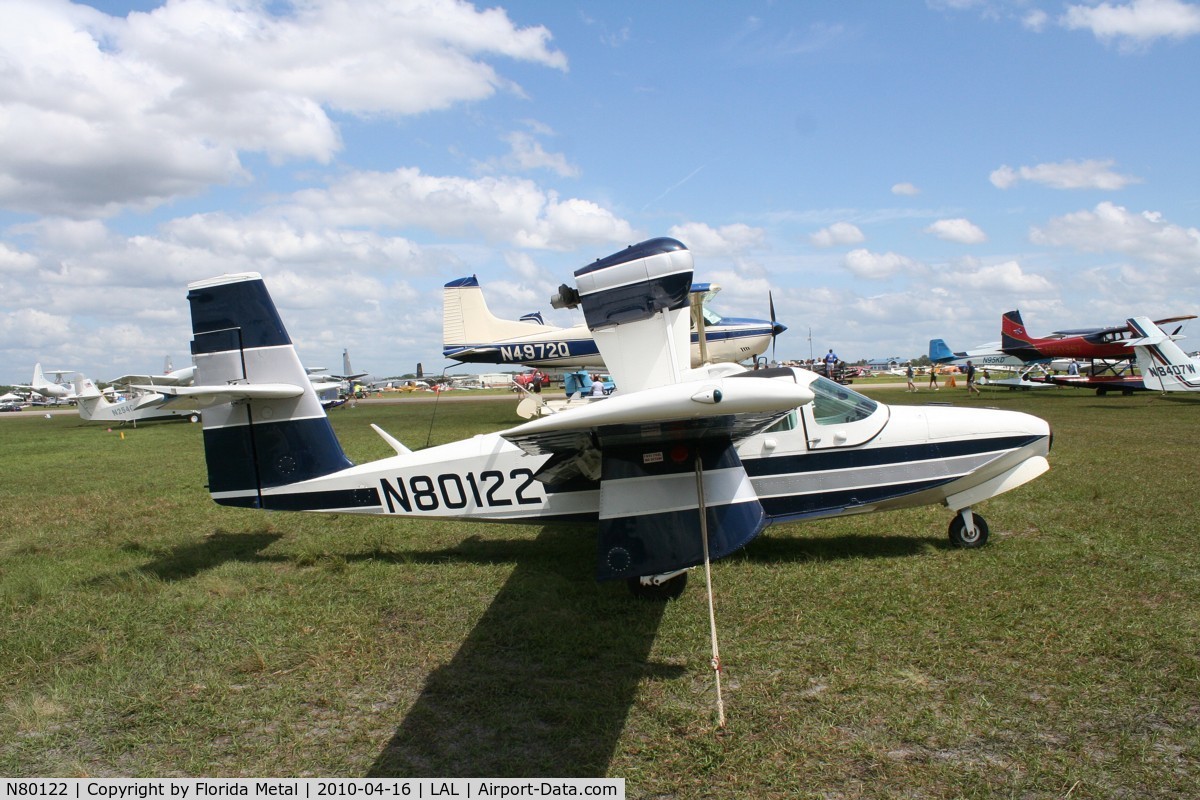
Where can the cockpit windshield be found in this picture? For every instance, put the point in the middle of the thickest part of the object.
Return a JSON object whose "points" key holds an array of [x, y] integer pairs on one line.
{"points": [[835, 404]]}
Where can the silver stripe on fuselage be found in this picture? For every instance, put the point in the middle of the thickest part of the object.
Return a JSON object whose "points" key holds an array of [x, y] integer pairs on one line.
{"points": [[804, 483], [663, 494]]}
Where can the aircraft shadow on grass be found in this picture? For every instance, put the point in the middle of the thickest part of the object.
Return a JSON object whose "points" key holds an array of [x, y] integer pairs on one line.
{"points": [[785, 549], [544, 682], [219, 547]]}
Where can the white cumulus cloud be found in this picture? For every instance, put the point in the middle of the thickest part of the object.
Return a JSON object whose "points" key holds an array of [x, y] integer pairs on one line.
{"points": [[958, 230], [703, 239], [100, 113], [1091, 174], [877, 266], [1007, 277], [1112, 228], [838, 233], [906, 189], [503, 209], [1137, 24]]}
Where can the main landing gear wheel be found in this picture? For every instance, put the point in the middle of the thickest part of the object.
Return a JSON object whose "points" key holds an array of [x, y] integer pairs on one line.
{"points": [[670, 589], [968, 537]]}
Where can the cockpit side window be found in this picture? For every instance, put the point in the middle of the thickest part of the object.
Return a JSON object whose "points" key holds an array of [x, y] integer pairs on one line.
{"points": [[835, 404], [786, 424]]}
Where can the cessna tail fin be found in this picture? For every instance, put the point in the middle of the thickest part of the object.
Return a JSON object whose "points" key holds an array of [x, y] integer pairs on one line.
{"points": [[1163, 364], [467, 322], [274, 432], [1014, 339]]}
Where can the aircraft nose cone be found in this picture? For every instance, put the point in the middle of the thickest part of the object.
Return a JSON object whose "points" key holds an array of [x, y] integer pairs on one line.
{"points": [[777, 328]]}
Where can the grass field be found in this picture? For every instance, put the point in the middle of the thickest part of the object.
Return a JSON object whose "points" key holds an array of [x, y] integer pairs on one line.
{"points": [[145, 631]]}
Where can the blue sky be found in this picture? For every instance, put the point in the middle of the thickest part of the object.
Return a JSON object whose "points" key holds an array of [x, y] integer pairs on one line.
{"points": [[891, 172]]}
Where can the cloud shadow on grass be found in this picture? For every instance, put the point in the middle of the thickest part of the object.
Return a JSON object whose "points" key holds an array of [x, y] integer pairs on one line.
{"points": [[543, 684]]}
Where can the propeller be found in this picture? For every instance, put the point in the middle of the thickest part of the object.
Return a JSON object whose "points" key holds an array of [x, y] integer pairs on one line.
{"points": [[776, 327]]}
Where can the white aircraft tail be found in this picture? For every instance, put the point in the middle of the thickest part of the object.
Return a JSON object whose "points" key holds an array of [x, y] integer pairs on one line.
{"points": [[466, 320], [88, 398], [263, 424], [1163, 364]]}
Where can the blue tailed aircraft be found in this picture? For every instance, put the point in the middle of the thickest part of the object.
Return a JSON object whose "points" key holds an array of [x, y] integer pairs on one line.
{"points": [[678, 466], [472, 333]]}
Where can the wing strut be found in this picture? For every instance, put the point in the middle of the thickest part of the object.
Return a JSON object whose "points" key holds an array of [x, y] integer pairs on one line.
{"points": [[712, 614]]}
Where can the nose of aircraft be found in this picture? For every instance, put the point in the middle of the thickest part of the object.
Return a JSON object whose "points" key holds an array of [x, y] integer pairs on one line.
{"points": [[956, 422], [777, 328]]}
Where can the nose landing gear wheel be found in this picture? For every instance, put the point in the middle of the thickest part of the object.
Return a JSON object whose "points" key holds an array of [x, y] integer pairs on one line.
{"points": [[963, 536]]}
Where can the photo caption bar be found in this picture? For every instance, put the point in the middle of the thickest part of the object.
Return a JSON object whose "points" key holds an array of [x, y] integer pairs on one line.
{"points": [[309, 788]]}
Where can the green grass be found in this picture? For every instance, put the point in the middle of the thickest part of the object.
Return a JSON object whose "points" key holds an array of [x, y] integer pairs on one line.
{"points": [[146, 631]]}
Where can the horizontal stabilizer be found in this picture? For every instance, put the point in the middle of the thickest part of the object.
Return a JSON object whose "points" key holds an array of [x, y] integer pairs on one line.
{"points": [[206, 396], [1147, 332]]}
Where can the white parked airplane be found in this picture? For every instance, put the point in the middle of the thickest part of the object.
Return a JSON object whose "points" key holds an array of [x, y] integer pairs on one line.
{"points": [[991, 357], [674, 452], [1163, 364], [472, 333], [143, 405], [53, 391]]}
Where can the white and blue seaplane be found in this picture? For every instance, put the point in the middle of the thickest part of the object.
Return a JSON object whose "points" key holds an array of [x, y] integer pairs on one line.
{"points": [[677, 467]]}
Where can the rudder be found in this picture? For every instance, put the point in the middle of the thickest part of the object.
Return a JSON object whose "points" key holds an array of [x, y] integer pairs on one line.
{"points": [[467, 322], [250, 445]]}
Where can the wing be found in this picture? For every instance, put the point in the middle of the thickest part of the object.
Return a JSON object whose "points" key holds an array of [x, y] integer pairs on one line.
{"points": [[635, 303], [651, 452]]}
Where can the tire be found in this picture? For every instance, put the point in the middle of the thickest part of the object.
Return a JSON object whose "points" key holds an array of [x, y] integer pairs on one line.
{"points": [[960, 537], [668, 590]]}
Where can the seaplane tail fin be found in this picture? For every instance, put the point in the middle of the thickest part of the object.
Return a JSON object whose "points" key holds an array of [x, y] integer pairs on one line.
{"points": [[88, 398], [1163, 364], [635, 303], [270, 429], [466, 320], [1014, 339], [939, 351], [1012, 330]]}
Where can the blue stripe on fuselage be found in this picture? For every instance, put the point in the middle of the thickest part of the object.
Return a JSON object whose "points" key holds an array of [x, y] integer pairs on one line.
{"points": [[826, 460], [576, 349]]}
